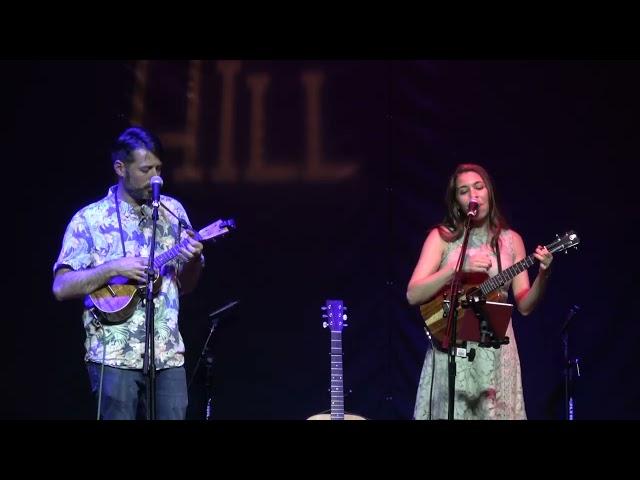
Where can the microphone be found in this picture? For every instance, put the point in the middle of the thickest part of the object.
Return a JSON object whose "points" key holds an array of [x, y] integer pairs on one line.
{"points": [[472, 211], [156, 184]]}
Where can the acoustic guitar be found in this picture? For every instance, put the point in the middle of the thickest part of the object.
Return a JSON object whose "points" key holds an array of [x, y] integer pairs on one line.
{"points": [[334, 313]]}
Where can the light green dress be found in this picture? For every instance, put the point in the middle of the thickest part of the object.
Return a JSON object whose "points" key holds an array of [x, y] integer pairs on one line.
{"points": [[490, 386]]}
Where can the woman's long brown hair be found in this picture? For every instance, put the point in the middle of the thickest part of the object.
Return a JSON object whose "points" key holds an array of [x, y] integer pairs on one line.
{"points": [[452, 226]]}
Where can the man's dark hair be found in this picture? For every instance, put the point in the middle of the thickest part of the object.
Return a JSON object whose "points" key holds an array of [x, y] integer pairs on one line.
{"points": [[135, 138]]}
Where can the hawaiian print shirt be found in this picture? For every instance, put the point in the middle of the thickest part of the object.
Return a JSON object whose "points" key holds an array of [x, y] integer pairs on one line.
{"points": [[93, 238]]}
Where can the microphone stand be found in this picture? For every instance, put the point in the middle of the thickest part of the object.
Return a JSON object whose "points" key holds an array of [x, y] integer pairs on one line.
{"points": [[568, 364], [449, 340], [208, 357], [149, 363]]}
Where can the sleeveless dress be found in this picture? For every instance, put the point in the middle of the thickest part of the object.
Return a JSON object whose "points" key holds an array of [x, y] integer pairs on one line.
{"points": [[490, 386]]}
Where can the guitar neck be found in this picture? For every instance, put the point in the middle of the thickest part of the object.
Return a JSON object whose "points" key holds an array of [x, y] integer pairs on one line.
{"points": [[337, 391], [503, 277], [169, 255]]}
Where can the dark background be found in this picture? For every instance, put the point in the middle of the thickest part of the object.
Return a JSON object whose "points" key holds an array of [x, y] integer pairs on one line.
{"points": [[559, 138]]}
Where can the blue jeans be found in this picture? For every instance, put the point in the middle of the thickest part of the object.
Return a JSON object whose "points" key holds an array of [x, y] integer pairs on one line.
{"points": [[124, 393]]}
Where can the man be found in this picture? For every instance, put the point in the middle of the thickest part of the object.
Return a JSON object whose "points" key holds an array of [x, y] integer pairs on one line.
{"points": [[110, 239]]}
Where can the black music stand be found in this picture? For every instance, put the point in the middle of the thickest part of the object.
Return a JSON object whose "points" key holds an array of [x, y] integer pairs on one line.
{"points": [[207, 356], [569, 365], [485, 323]]}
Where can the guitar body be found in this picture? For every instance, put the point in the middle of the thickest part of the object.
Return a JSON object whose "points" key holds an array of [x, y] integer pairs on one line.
{"points": [[117, 301], [476, 284], [327, 416], [434, 314]]}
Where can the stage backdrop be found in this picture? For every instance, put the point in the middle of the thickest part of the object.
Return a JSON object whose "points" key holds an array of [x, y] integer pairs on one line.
{"points": [[334, 171]]}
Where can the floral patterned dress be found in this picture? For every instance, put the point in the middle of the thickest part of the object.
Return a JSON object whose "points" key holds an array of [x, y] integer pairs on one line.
{"points": [[490, 386]]}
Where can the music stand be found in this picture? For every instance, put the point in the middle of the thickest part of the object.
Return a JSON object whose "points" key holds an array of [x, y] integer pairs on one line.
{"points": [[497, 316], [207, 356]]}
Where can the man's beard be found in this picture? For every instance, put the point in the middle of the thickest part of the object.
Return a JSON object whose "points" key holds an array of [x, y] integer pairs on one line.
{"points": [[140, 195]]}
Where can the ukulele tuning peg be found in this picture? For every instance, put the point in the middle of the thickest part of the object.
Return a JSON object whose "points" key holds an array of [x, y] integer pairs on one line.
{"points": [[325, 324], [325, 316], [323, 308]]}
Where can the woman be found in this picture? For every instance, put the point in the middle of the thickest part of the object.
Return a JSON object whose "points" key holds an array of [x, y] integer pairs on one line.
{"points": [[490, 386]]}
